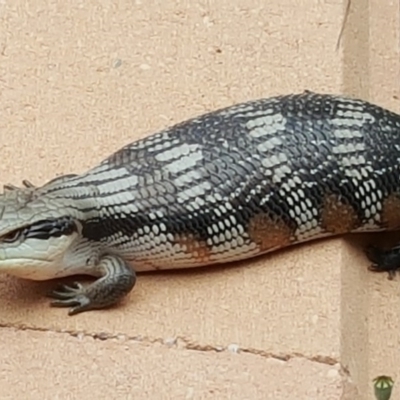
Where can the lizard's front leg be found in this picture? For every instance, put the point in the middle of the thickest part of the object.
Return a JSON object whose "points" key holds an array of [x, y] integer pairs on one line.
{"points": [[117, 280]]}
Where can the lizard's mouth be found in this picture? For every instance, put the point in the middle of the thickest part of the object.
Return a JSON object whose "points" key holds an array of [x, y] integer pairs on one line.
{"points": [[33, 258], [28, 268], [23, 260]]}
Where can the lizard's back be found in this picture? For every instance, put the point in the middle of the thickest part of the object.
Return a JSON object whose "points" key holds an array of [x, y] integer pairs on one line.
{"points": [[248, 179]]}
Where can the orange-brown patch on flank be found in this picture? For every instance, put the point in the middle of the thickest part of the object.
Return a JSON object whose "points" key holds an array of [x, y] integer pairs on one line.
{"points": [[196, 249], [269, 232], [338, 217], [391, 212]]}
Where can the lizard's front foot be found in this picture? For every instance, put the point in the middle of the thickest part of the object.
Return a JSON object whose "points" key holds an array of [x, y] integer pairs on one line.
{"points": [[117, 281], [384, 260]]}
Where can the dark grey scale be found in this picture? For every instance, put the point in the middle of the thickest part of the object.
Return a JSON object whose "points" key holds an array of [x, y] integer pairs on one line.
{"points": [[101, 229], [276, 207], [132, 155], [93, 229], [384, 157], [63, 178], [195, 226], [205, 130], [336, 184], [97, 229], [388, 183], [224, 172], [322, 107]]}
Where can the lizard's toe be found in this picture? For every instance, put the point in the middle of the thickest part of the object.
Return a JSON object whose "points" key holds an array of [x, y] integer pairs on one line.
{"points": [[67, 291], [71, 296], [78, 304]]}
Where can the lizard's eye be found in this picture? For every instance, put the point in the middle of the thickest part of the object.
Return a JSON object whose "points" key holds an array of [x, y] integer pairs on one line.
{"points": [[11, 236]]}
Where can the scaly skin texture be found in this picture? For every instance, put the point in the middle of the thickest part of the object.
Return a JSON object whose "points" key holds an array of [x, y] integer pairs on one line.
{"points": [[225, 186]]}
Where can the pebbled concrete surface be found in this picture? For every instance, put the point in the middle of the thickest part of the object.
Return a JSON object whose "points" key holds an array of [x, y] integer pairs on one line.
{"points": [[79, 81]]}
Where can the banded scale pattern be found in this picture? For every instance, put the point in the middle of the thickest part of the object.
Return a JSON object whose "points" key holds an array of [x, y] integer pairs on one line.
{"points": [[241, 181]]}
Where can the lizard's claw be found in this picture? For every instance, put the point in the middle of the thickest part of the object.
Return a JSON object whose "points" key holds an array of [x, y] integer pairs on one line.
{"points": [[66, 291]]}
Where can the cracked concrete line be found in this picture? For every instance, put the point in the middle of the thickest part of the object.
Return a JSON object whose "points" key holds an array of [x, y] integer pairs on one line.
{"points": [[178, 342]]}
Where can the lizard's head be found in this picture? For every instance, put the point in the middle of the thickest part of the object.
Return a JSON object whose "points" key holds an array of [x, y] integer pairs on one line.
{"points": [[34, 234]]}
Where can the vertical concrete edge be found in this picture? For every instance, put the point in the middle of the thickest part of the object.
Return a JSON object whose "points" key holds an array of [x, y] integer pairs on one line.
{"points": [[370, 318]]}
